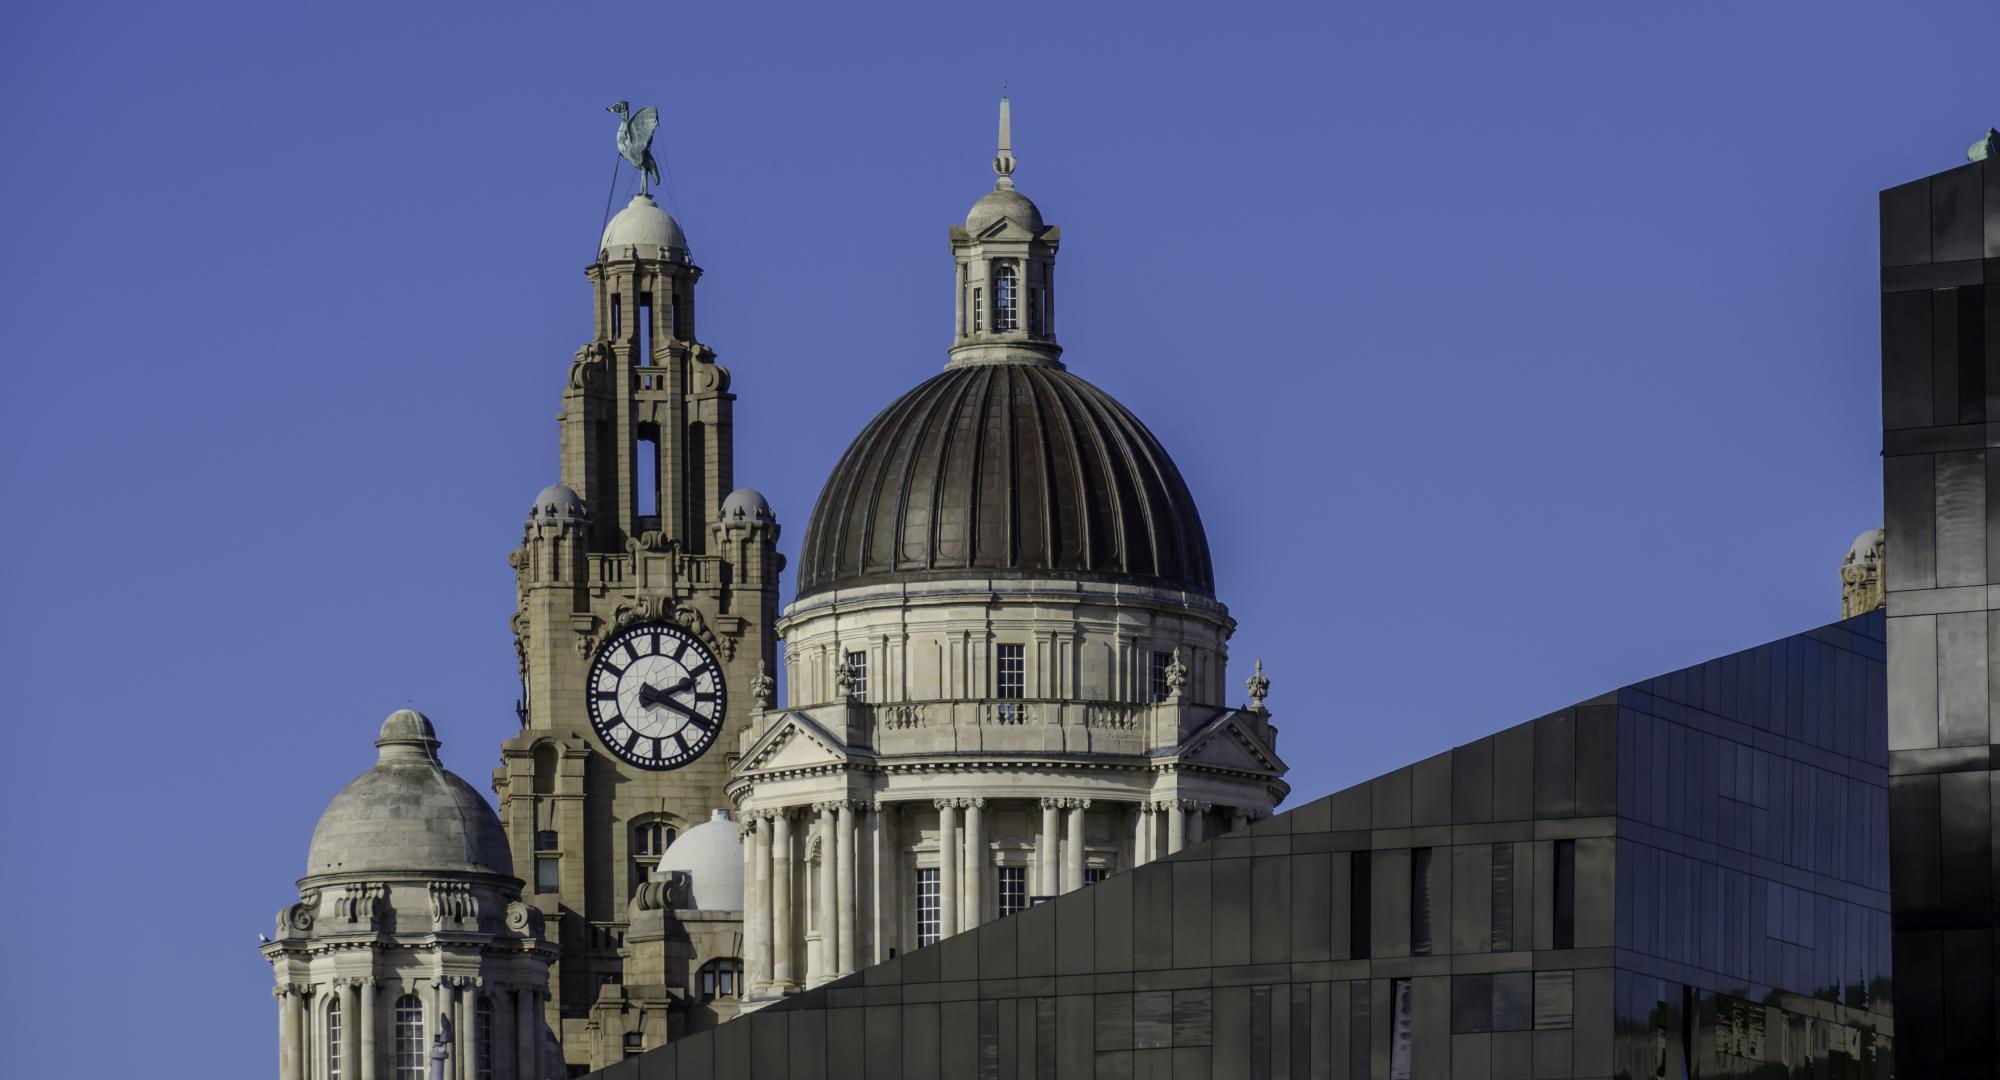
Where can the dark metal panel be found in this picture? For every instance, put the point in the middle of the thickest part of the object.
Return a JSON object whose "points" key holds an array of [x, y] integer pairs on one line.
{"points": [[1270, 896], [920, 1042], [1555, 765], [1390, 797], [1552, 1055], [1906, 360], [1153, 915], [1596, 892], [1430, 790], [1230, 1017], [1965, 849], [1191, 929], [1113, 900], [846, 1044], [1113, 1021], [959, 1043], [1471, 898], [1472, 782], [1514, 773], [807, 1035], [958, 958], [1909, 501], [1916, 864], [999, 945], [1913, 678], [883, 1038], [1389, 871], [1075, 1038], [1958, 214], [1311, 907], [1036, 928], [770, 1042], [1962, 649], [1076, 939], [1597, 761], [1592, 992], [1906, 224], [1229, 912]]}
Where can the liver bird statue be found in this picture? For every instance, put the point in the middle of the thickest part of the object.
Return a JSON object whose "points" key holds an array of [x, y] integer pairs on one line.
{"points": [[635, 141]]}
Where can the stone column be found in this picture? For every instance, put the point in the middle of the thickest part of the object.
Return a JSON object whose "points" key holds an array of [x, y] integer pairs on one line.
{"points": [[1176, 825], [291, 1048], [371, 1008], [757, 904], [1073, 848], [976, 862], [877, 950], [436, 1016], [947, 867], [844, 872], [829, 932], [349, 993], [781, 902], [1140, 812], [528, 1038], [461, 1028], [1046, 883]]}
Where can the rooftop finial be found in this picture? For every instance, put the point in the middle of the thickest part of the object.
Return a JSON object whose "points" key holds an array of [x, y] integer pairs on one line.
{"points": [[1003, 162]]}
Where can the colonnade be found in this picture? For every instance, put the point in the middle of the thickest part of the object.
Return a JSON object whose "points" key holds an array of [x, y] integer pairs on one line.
{"points": [[862, 847], [367, 1042]]}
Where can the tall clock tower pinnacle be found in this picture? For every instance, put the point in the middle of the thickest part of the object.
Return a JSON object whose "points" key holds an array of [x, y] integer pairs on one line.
{"points": [[646, 593]]}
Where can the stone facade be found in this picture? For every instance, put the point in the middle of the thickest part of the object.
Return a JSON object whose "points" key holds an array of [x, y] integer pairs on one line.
{"points": [[410, 937], [1006, 670], [644, 531]]}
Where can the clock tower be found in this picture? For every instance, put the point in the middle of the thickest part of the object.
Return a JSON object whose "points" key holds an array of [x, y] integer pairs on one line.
{"points": [[647, 593]]}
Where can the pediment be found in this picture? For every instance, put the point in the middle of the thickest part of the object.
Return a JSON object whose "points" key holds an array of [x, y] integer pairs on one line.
{"points": [[1227, 744], [794, 742], [1006, 229]]}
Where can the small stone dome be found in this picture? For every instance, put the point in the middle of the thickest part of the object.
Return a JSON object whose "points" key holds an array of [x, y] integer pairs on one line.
{"points": [[642, 225], [409, 815], [556, 503], [1867, 546], [711, 855], [1003, 203], [747, 504]]}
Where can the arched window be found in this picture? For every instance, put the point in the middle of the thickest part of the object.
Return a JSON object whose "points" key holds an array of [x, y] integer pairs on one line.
{"points": [[1006, 300], [409, 1038], [333, 1039], [545, 769], [482, 1039], [721, 978], [650, 840]]}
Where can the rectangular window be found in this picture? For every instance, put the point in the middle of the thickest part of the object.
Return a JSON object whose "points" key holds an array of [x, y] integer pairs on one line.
{"points": [[857, 671], [1565, 895], [1013, 889], [1503, 897], [978, 312], [927, 908], [1420, 901], [1011, 680], [548, 874], [1158, 675], [1094, 874], [1402, 1028], [1359, 915]]}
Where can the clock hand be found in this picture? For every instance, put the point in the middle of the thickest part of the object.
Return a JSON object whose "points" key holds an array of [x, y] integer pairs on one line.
{"points": [[694, 717]]}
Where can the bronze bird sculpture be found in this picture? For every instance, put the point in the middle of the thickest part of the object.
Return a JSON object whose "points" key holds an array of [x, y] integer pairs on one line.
{"points": [[635, 141]]}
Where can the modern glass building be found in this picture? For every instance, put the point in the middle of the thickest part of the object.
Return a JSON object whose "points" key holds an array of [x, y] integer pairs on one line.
{"points": [[1684, 877]]}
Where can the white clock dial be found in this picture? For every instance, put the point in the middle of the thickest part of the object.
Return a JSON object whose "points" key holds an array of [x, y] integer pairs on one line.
{"points": [[656, 696]]}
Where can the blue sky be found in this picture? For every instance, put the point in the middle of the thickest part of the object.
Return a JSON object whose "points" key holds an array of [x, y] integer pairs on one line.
{"points": [[1513, 353]]}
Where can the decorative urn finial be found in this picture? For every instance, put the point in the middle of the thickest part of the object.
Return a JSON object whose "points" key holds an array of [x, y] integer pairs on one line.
{"points": [[1259, 686]]}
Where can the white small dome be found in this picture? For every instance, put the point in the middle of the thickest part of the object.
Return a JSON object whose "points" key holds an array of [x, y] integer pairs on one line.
{"points": [[747, 504], [1003, 203], [556, 503], [643, 226], [711, 855]]}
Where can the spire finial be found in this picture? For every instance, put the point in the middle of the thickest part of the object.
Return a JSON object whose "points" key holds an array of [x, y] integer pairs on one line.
{"points": [[1003, 162]]}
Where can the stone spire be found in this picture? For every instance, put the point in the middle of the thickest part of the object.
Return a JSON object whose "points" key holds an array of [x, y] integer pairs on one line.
{"points": [[1003, 162]]}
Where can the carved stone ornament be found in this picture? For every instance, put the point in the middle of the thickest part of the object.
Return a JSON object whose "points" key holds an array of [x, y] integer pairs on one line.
{"points": [[361, 903], [1259, 687], [524, 918], [297, 916], [591, 363], [1177, 672], [1861, 589], [843, 677], [763, 690], [452, 901]]}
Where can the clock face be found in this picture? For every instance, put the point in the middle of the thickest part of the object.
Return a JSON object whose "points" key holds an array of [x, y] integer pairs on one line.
{"points": [[656, 697]]}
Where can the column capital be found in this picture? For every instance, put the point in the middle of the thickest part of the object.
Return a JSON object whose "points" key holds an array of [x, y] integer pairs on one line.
{"points": [[1076, 804], [974, 803], [1054, 803], [947, 804]]}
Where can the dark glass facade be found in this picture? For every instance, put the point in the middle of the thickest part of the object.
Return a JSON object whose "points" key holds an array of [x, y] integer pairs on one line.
{"points": [[1940, 402], [1684, 877]]}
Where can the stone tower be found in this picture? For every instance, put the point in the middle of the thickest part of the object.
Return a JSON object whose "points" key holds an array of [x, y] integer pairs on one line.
{"points": [[646, 598]]}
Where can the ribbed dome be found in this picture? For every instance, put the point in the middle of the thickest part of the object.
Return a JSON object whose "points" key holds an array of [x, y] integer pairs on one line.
{"points": [[408, 814], [1000, 469]]}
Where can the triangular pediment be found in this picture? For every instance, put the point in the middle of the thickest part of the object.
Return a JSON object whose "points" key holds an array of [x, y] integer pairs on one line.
{"points": [[1230, 745], [794, 742], [1006, 229]]}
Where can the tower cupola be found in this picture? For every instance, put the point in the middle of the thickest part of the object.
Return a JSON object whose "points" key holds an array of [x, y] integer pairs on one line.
{"points": [[1005, 259]]}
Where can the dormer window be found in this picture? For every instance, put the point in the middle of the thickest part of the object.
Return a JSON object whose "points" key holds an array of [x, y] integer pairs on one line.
{"points": [[1006, 299]]}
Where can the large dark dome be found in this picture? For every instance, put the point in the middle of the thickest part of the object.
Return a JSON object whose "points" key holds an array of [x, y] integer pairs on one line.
{"points": [[1008, 470]]}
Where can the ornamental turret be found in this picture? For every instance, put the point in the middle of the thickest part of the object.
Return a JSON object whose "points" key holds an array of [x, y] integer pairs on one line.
{"points": [[1006, 263]]}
